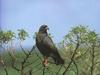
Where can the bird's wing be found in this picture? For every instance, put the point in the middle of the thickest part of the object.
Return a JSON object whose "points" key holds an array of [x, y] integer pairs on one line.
{"points": [[47, 41], [49, 45]]}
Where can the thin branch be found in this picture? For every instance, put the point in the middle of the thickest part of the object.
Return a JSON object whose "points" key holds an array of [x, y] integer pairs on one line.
{"points": [[76, 67], [59, 70], [4, 66], [13, 62], [71, 59], [28, 55], [93, 56], [23, 48], [25, 60], [43, 71], [38, 56], [37, 69], [31, 63], [33, 68]]}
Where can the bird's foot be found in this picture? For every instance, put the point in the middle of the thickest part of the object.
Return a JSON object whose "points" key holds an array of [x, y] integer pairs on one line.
{"points": [[45, 63]]}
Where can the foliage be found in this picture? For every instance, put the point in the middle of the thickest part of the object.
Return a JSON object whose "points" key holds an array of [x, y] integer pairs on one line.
{"points": [[6, 36], [80, 48], [85, 41], [22, 34]]}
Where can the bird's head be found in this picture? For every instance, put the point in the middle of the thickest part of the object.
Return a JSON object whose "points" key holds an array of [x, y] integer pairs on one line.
{"points": [[43, 29]]}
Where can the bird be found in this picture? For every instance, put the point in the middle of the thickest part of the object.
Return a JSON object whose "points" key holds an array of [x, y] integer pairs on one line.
{"points": [[47, 47]]}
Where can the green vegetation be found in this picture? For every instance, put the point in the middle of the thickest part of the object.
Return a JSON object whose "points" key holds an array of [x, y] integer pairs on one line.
{"points": [[80, 49]]}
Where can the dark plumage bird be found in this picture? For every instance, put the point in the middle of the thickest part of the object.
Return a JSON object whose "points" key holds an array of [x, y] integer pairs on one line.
{"points": [[46, 46]]}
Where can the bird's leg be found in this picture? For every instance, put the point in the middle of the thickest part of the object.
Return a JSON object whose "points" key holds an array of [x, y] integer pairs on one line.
{"points": [[45, 62]]}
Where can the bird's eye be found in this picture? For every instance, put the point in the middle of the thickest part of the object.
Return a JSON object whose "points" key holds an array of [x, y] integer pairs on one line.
{"points": [[45, 27]]}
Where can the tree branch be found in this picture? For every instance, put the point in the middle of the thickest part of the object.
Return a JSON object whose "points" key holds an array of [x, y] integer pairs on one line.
{"points": [[71, 59]]}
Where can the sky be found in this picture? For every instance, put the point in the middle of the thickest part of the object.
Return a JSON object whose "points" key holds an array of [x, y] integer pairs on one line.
{"points": [[59, 15]]}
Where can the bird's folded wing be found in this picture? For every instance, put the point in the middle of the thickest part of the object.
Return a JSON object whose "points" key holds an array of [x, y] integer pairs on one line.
{"points": [[47, 41]]}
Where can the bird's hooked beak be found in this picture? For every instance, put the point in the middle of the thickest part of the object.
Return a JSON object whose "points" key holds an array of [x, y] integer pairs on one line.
{"points": [[47, 28]]}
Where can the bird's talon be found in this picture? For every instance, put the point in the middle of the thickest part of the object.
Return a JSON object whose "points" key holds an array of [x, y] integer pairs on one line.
{"points": [[45, 63]]}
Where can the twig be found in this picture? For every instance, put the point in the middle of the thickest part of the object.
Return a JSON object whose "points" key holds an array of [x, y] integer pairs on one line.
{"points": [[71, 59], [23, 50], [38, 56], [77, 73], [31, 63], [30, 71], [43, 70], [33, 68], [4, 66], [13, 62], [93, 56], [59, 70], [25, 59], [38, 69]]}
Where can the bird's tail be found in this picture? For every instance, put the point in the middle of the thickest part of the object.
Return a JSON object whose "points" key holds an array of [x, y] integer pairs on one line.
{"points": [[58, 59]]}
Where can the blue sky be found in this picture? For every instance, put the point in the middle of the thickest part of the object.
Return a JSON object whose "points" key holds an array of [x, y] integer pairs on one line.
{"points": [[59, 15]]}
